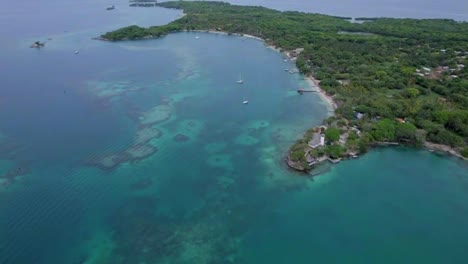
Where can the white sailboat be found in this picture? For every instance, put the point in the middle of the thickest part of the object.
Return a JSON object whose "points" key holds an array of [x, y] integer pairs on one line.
{"points": [[245, 101], [240, 81]]}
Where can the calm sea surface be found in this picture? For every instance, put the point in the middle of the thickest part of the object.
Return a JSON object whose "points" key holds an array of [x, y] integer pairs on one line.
{"points": [[454, 9], [142, 152]]}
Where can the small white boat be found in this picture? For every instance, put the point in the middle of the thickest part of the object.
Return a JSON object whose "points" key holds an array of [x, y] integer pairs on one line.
{"points": [[197, 37], [286, 69], [285, 60], [76, 51], [240, 81], [245, 102], [110, 7]]}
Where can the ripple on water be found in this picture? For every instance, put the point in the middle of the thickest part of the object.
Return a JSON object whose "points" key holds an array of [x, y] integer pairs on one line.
{"points": [[221, 160], [215, 147], [102, 89], [181, 138], [11, 172], [257, 124], [285, 133], [137, 239], [189, 68], [291, 93], [225, 181], [182, 95], [191, 127], [246, 140], [98, 249], [5, 166]]}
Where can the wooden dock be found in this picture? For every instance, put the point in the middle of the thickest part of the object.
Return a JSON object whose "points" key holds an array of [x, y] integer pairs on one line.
{"points": [[302, 91]]}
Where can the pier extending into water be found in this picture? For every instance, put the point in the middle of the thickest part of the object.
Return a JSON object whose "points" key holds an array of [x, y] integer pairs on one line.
{"points": [[302, 91]]}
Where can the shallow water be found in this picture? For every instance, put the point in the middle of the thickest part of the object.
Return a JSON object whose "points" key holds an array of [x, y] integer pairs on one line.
{"points": [[142, 152]]}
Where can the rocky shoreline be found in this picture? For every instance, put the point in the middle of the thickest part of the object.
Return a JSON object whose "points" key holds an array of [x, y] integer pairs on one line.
{"points": [[443, 148], [311, 162]]}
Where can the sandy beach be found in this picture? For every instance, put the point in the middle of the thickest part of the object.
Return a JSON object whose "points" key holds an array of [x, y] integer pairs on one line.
{"points": [[226, 33], [314, 83], [311, 81]]}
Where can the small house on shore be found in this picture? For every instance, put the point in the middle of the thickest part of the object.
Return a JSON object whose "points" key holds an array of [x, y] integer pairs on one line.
{"points": [[317, 140], [400, 120], [311, 160], [358, 115]]}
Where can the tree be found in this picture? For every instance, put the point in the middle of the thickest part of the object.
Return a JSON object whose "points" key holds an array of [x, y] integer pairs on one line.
{"points": [[464, 152], [412, 92], [405, 132], [297, 155], [441, 116], [458, 122], [332, 134], [384, 130], [364, 143], [353, 135], [335, 151], [443, 136]]}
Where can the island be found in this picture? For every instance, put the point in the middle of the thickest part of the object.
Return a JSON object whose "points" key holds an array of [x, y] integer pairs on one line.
{"points": [[391, 81], [143, 3], [38, 44]]}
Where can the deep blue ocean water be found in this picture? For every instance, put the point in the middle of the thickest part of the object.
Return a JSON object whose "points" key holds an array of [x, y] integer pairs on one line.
{"points": [[213, 188]]}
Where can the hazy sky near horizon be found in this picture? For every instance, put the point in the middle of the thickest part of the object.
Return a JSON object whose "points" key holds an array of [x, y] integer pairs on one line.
{"points": [[454, 9]]}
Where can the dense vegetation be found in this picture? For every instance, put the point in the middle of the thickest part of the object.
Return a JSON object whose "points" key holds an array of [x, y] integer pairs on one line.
{"points": [[388, 70]]}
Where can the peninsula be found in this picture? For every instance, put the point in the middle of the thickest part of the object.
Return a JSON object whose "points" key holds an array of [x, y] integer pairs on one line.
{"points": [[393, 81]]}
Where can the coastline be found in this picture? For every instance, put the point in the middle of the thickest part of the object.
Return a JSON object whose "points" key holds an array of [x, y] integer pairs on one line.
{"points": [[225, 33], [443, 148], [315, 85], [310, 79]]}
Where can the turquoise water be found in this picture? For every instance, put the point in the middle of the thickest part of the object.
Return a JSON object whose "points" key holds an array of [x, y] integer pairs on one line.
{"points": [[142, 152]]}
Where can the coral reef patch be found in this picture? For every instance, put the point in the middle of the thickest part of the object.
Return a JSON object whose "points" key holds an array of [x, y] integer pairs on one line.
{"points": [[181, 138]]}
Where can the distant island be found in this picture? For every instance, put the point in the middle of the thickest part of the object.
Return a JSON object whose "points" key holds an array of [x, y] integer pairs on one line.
{"points": [[392, 81], [143, 3]]}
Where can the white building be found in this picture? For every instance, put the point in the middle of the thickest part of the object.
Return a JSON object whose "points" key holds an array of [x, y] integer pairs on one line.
{"points": [[317, 140]]}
